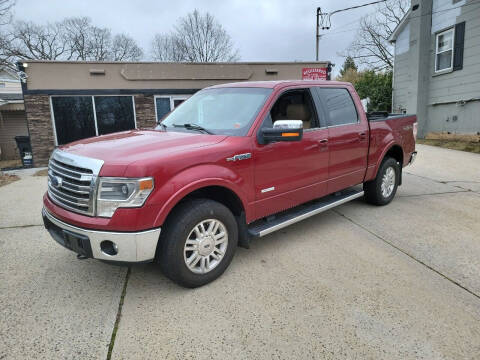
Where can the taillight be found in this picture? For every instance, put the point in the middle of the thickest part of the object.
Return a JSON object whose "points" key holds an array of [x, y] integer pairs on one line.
{"points": [[415, 130]]}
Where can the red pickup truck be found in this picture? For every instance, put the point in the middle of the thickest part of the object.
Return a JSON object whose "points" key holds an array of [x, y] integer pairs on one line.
{"points": [[233, 162]]}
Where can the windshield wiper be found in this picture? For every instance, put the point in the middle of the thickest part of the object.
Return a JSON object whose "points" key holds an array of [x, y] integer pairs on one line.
{"points": [[193, 127]]}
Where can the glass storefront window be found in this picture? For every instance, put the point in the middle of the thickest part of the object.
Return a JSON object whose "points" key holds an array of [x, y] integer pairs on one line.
{"points": [[80, 117]]}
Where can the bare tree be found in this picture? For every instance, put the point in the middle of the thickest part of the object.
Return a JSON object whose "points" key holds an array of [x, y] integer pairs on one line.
{"points": [[86, 41], [77, 36], [371, 46], [164, 49], [125, 48], [6, 11], [27, 40], [100, 44], [89, 42], [196, 38], [70, 39]]}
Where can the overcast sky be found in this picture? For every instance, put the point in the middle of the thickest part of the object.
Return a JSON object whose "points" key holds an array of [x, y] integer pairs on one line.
{"points": [[262, 30]]}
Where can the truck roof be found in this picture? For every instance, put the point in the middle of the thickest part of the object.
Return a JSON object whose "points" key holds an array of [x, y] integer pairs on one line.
{"points": [[279, 83]]}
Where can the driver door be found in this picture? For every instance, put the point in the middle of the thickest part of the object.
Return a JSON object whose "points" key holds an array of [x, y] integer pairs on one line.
{"points": [[293, 172]]}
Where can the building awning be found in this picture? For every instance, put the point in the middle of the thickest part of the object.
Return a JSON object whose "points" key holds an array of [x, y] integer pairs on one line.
{"points": [[12, 105]]}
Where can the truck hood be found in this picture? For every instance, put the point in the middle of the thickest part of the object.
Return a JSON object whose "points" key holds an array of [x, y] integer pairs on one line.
{"points": [[124, 148]]}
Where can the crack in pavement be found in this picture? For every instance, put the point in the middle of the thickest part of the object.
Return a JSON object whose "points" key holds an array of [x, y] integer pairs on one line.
{"points": [[440, 193], [19, 226], [119, 315], [408, 254], [447, 182]]}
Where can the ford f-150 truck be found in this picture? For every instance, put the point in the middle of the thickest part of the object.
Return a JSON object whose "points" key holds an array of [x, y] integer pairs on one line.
{"points": [[233, 162]]}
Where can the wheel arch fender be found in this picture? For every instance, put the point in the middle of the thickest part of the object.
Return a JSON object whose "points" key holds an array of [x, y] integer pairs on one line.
{"points": [[195, 179], [393, 150]]}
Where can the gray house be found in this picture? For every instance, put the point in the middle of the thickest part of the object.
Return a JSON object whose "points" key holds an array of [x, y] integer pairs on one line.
{"points": [[437, 66]]}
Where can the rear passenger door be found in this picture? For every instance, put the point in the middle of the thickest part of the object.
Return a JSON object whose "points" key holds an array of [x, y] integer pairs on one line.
{"points": [[347, 138]]}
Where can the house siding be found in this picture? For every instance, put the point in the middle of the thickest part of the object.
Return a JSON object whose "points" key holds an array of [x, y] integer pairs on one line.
{"points": [[449, 104], [12, 123], [449, 108], [402, 79]]}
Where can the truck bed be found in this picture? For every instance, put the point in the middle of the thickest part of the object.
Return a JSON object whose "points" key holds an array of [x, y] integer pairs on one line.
{"points": [[387, 129]]}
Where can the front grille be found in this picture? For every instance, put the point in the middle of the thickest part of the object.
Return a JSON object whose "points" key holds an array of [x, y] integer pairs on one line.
{"points": [[70, 186]]}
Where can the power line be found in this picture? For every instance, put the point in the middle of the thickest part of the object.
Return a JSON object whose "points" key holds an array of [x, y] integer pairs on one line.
{"points": [[474, 2], [328, 16]]}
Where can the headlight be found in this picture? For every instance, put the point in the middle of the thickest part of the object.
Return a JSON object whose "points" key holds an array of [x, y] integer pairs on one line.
{"points": [[121, 192]]}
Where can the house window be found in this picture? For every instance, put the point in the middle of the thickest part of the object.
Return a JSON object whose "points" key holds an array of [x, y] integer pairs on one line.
{"points": [[79, 117], [444, 50], [166, 103]]}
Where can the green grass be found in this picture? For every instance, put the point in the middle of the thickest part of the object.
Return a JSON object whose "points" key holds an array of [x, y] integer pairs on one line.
{"points": [[473, 147]]}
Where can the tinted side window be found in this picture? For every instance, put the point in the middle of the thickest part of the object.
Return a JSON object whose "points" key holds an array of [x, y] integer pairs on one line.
{"points": [[339, 106]]}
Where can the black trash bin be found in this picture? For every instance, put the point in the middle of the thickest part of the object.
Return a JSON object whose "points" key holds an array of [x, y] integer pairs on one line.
{"points": [[25, 149]]}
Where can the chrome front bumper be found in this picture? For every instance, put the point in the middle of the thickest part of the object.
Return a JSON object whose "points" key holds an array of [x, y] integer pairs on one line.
{"points": [[129, 247]]}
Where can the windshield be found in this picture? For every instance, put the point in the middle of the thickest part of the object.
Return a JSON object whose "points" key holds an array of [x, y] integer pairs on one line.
{"points": [[225, 111]]}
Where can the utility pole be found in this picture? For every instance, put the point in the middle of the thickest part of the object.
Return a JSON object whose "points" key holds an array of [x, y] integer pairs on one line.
{"points": [[326, 19], [318, 30]]}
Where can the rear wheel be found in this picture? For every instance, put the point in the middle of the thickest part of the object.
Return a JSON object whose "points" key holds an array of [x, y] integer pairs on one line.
{"points": [[199, 242], [383, 188]]}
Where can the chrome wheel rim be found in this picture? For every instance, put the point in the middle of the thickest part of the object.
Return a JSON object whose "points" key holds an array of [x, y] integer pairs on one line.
{"points": [[388, 182], [205, 246]]}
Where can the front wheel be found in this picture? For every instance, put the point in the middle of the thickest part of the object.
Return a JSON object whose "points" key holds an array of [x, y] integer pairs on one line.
{"points": [[199, 242], [383, 188]]}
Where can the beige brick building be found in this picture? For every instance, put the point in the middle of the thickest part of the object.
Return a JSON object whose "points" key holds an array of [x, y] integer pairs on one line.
{"points": [[67, 101]]}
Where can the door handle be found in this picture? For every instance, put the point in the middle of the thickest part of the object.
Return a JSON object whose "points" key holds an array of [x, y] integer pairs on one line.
{"points": [[323, 141], [362, 135]]}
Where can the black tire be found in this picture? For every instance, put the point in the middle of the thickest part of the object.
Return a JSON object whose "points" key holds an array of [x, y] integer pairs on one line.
{"points": [[373, 189], [177, 229]]}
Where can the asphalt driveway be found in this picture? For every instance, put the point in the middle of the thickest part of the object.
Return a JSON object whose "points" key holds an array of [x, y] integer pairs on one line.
{"points": [[359, 281]]}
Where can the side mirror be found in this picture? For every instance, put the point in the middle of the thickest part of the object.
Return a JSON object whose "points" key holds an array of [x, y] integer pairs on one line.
{"points": [[283, 130]]}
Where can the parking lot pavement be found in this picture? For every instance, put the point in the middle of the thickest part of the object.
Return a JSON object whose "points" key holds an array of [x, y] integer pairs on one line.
{"points": [[52, 306], [437, 217], [323, 288], [361, 281], [394, 282], [456, 168], [21, 202]]}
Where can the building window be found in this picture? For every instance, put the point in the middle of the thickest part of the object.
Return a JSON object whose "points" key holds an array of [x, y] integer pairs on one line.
{"points": [[73, 118], [2, 84], [114, 113], [79, 117], [444, 50], [166, 103]]}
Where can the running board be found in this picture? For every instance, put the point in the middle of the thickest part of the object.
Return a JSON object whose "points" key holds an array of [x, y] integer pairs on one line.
{"points": [[301, 212]]}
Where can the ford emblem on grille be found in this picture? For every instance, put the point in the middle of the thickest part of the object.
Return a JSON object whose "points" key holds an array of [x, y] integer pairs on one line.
{"points": [[57, 181]]}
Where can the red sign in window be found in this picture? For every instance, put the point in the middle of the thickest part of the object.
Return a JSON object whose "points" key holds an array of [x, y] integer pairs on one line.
{"points": [[314, 74]]}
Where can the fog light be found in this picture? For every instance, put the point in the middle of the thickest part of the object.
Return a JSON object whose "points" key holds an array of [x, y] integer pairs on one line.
{"points": [[109, 247]]}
